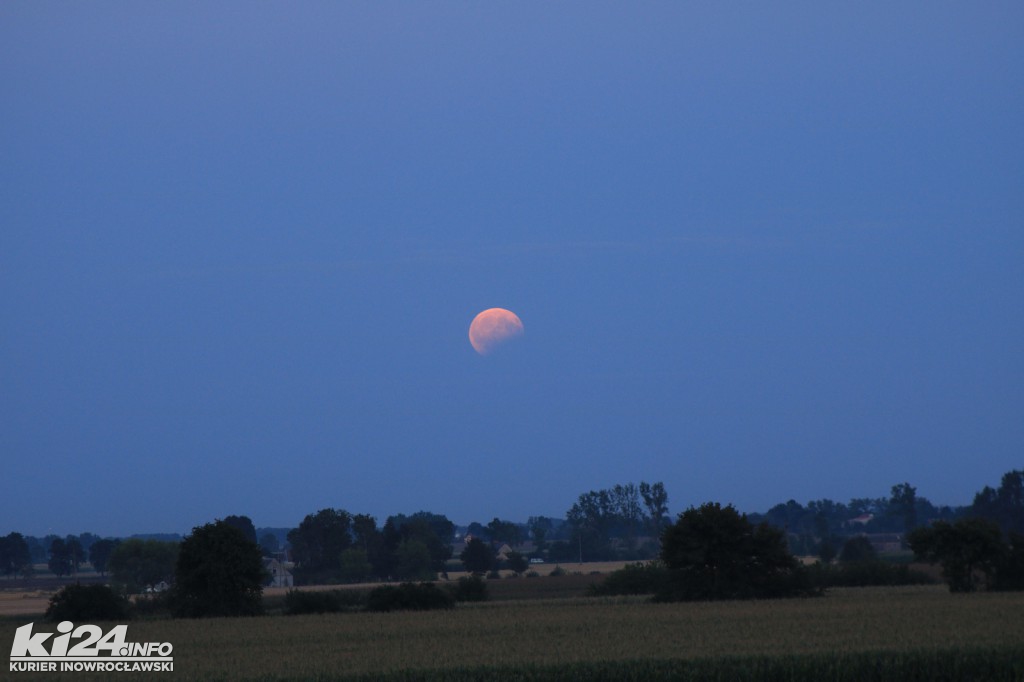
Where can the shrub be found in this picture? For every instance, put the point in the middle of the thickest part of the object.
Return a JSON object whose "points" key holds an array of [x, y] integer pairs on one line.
{"points": [[867, 574], [471, 588], [409, 597], [857, 549], [639, 578], [557, 571], [298, 602], [87, 603], [152, 606]]}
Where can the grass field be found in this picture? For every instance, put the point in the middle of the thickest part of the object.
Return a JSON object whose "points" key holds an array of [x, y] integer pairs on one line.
{"points": [[581, 638]]}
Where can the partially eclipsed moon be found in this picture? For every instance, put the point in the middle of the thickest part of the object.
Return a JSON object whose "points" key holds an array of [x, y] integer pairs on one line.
{"points": [[493, 327]]}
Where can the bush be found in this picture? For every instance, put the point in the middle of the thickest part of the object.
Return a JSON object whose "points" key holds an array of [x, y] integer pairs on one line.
{"points": [[557, 571], [298, 602], [639, 578], [152, 606], [867, 574], [857, 549], [87, 603], [409, 597], [471, 588]]}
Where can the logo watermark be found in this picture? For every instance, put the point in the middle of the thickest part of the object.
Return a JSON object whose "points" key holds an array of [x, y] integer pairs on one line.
{"points": [[95, 652]]}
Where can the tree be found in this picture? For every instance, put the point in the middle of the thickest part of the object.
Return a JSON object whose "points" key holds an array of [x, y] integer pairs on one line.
{"points": [[15, 556], [857, 549], [477, 557], [591, 518], [76, 553], [368, 538], [317, 545], [433, 531], [60, 562], [963, 549], [219, 573], [517, 562], [540, 526], [244, 524], [626, 505], [714, 552], [413, 560], [656, 501], [903, 505], [505, 532], [1004, 505], [136, 565], [99, 554], [1010, 575], [826, 551], [269, 544], [355, 566], [601, 516]]}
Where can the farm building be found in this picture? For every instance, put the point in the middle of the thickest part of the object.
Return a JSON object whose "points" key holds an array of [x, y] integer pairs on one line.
{"points": [[279, 575]]}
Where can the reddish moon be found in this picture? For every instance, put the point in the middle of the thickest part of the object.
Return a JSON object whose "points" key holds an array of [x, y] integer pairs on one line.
{"points": [[493, 327]]}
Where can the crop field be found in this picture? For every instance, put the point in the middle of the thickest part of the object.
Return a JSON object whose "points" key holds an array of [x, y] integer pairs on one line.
{"points": [[581, 638]]}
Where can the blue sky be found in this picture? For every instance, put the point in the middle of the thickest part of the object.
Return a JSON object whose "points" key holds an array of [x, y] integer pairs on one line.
{"points": [[760, 251]]}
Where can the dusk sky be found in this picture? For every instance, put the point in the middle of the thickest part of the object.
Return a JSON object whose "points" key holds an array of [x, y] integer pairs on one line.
{"points": [[760, 251]]}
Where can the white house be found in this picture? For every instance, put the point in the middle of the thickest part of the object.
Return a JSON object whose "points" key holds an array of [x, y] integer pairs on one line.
{"points": [[279, 575]]}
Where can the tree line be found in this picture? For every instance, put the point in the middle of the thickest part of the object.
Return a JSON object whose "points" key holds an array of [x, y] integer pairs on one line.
{"points": [[625, 521]]}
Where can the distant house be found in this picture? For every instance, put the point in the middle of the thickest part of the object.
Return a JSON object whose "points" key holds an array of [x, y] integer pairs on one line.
{"points": [[279, 575], [161, 586], [862, 520]]}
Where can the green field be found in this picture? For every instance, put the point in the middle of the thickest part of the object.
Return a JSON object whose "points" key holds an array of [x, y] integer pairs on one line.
{"points": [[862, 633]]}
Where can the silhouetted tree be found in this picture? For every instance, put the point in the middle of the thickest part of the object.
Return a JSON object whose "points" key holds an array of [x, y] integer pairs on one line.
{"points": [[371, 540], [540, 527], [317, 545], [517, 562], [269, 544], [355, 565], [714, 552], [656, 501], [857, 548], [244, 524], [963, 549], [99, 554], [434, 531], [60, 562], [1010, 574], [219, 573], [137, 564], [14, 554], [76, 553], [903, 505], [477, 557], [626, 505], [1005, 505], [505, 532]]}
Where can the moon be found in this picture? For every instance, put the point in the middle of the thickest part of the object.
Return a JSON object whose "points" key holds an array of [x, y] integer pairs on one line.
{"points": [[493, 327]]}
